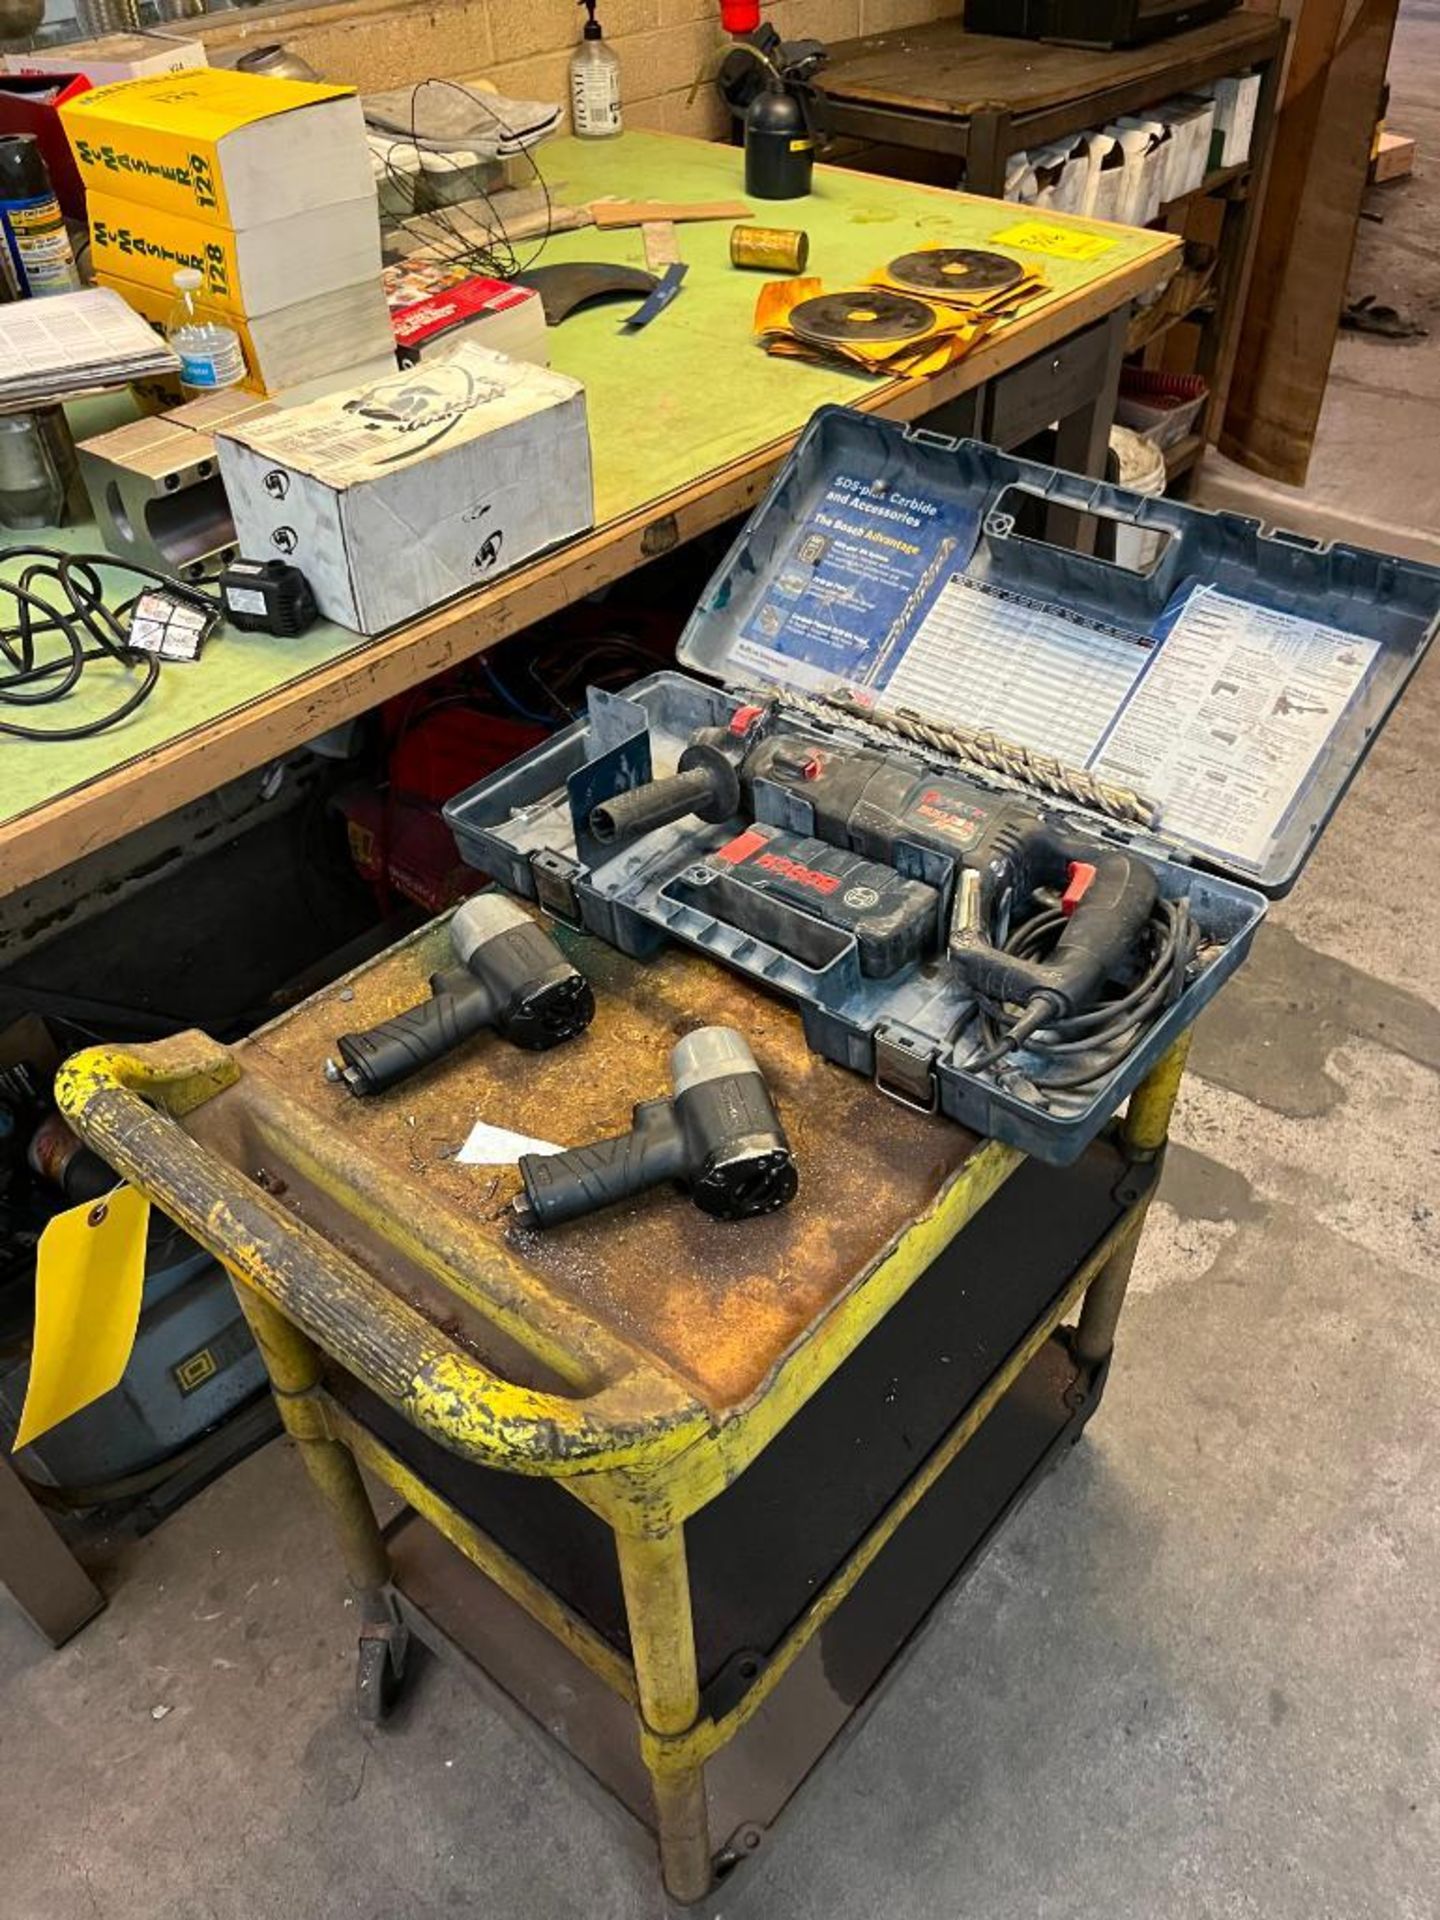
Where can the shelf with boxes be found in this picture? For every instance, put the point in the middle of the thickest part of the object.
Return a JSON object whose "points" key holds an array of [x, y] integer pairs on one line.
{"points": [[1174, 133]]}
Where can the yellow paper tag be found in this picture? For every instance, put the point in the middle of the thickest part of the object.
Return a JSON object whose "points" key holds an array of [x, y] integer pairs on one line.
{"points": [[1061, 243], [89, 1275]]}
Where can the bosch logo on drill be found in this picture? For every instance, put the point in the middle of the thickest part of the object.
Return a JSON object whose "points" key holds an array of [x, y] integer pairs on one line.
{"points": [[962, 824], [789, 869]]}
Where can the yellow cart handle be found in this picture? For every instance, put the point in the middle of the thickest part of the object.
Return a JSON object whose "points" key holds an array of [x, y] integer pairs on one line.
{"points": [[635, 1421]]}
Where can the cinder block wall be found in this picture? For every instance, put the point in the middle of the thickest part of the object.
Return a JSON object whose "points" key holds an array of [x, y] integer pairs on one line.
{"points": [[524, 45]]}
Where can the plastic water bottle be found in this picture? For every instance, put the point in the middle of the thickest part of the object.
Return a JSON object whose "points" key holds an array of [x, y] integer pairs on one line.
{"points": [[210, 352]]}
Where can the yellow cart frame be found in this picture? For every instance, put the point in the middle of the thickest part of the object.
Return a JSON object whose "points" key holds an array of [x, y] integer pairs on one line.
{"points": [[348, 1269]]}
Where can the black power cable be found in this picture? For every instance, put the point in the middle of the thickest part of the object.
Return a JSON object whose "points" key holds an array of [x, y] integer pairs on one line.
{"points": [[487, 249], [61, 624], [1071, 1056]]}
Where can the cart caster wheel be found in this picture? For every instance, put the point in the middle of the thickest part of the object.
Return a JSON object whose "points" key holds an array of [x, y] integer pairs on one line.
{"points": [[379, 1672]]}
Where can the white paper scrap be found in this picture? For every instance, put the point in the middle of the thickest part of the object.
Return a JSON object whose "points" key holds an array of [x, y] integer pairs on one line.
{"points": [[488, 1146]]}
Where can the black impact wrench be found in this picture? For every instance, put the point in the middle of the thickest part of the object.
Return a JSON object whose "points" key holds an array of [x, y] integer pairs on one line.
{"points": [[511, 977], [718, 1133]]}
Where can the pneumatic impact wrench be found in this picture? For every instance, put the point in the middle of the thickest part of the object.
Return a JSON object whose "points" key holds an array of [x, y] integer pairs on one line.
{"points": [[511, 976], [873, 803], [718, 1132]]}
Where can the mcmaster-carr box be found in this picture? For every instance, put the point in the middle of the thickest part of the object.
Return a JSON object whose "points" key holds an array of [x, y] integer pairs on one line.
{"points": [[255, 271], [315, 345], [393, 497], [229, 149], [1237, 682]]}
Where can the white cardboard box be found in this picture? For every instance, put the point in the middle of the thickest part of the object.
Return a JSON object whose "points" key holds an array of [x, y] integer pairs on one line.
{"points": [[115, 56], [1062, 174], [1107, 181], [393, 497], [1141, 194], [1190, 118], [1235, 99]]}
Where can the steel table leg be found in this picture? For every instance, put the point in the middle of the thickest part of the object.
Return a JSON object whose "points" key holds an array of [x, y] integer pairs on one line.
{"points": [[656, 1581], [43, 1577], [1082, 440]]}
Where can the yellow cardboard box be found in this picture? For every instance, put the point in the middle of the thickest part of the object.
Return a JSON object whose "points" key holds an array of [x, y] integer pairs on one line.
{"points": [[252, 272], [154, 304], [291, 351], [229, 149]]}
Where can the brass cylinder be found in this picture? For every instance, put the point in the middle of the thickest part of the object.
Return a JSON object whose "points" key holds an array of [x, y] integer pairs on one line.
{"points": [[771, 249]]}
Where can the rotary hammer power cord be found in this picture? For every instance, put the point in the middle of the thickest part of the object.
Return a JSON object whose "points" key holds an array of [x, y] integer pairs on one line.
{"points": [[1074, 1054]]}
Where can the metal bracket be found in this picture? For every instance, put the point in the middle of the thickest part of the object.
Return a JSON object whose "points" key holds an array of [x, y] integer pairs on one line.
{"points": [[734, 1680], [743, 1845], [1138, 1179], [905, 1068], [554, 876]]}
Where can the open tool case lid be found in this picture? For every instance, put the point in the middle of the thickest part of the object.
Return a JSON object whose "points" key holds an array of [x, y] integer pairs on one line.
{"points": [[1237, 682]]}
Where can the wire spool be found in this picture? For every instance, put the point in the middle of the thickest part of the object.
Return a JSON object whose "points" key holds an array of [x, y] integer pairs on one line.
{"points": [[56, 624], [770, 249], [1067, 1060], [99, 17]]}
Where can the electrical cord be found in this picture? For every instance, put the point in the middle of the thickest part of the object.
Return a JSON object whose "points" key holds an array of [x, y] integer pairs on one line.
{"points": [[1070, 1056], [59, 599], [488, 250]]}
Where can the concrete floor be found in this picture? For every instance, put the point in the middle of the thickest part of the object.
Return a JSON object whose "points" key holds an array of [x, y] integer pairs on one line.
{"points": [[1199, 1673]]}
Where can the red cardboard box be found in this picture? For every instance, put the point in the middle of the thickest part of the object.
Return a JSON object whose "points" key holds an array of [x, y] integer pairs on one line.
{"points": [[29, 103]]}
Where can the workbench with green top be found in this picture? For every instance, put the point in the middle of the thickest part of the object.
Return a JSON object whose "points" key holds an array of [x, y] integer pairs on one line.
{"points": [[689, 420]]}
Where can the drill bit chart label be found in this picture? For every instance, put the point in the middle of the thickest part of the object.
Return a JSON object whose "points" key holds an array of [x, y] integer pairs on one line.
{"points": [[1230, 721], [986, 656], [1221, 716]]}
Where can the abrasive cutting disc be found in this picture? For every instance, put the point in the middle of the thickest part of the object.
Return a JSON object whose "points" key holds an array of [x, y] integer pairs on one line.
{"points": [[954, 270], [868, 316]]}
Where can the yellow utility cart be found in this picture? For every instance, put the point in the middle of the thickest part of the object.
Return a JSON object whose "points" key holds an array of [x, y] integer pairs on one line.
{"points": [[682, 1489]]}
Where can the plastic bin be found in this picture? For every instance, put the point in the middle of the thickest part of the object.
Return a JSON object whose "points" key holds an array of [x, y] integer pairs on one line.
{"points": [[945, 518], [1160, 407]]}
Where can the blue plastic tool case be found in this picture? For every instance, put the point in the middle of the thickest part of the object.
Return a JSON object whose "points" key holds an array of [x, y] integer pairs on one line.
{"points": [[1229, 667]]}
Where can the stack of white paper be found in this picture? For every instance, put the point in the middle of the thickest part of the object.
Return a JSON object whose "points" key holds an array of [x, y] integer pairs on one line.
{"points": [[72, 342]]}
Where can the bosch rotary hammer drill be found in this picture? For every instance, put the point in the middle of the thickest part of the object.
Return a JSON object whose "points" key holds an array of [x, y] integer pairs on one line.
{"points": [[869, 803]]}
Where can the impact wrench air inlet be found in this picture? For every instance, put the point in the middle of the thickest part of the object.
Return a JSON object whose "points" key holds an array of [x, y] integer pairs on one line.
{"points": [[719, 1133], [512, 977]]}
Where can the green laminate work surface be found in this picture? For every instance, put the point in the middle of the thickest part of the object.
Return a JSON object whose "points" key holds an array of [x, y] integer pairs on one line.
{"points": [[667, 405]]}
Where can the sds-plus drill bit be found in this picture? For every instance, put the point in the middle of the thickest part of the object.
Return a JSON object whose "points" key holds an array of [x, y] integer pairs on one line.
{"points": [[983, 752]]}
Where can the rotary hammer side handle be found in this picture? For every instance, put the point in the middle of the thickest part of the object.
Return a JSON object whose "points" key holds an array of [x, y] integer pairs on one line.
{"points": [[1099, 933], [707, 786]]}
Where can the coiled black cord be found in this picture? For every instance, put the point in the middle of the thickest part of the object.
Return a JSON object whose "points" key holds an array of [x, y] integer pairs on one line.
{"points": [[60, 597], [1075, 1054]]}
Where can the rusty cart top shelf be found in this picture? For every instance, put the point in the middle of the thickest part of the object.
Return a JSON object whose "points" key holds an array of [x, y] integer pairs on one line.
{"points": [[716, 1305]]}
